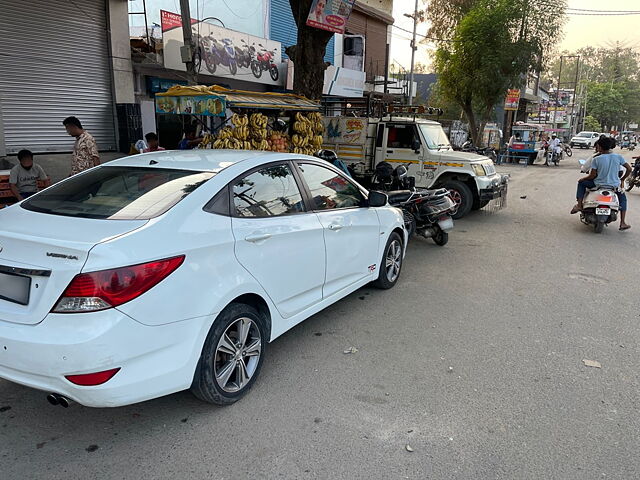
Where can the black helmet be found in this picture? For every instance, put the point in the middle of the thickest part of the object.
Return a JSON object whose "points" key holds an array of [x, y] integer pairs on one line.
{"points": [[280, 125], [328, 155]]}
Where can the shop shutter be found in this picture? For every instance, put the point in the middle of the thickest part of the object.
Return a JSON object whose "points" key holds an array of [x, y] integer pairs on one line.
{"points": [[284, 30], [54, 62]]}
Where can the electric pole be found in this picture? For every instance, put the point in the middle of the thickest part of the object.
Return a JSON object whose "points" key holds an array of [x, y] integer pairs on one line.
{"points": [[413, 49], [187, 51]]}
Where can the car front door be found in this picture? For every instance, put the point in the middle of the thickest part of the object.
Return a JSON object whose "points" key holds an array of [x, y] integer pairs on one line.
{"points": [[351, 229], [277, 239]]}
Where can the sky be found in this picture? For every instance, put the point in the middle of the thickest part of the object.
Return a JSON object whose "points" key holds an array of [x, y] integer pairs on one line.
{"points": [[580, 31]]}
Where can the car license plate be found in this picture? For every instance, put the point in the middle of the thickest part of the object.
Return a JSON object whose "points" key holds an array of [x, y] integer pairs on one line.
{"points": [[603, 211], [15, 288]]}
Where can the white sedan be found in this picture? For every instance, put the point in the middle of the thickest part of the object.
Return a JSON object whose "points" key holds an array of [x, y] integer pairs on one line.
{"points": [[172, 270]]}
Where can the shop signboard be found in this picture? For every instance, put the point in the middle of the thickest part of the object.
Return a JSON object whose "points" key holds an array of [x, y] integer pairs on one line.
{"points": [[347, 130], [330, 15], [224, 53], [207, 105], [513, 99]]}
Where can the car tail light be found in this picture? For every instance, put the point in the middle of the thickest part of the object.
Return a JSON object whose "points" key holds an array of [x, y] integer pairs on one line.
{"points": [[92, 379], [90, 292]]}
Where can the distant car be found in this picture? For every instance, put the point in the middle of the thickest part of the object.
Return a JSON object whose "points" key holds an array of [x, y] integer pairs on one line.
{"points": [[584, 139], [172, 270]]}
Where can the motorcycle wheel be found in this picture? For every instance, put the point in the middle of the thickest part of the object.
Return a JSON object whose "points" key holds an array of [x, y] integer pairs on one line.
{"points": [[598, 227], [273, 71], [630, 185], [233, 68], [568, 151], [441, 238], [256, 69], [210, 63]]}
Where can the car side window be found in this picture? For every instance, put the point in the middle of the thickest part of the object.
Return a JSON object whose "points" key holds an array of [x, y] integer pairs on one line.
{"points": [[268, 192], [330, 190], [401, 136]]}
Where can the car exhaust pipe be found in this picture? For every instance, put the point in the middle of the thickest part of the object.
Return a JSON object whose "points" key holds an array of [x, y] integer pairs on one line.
{"points": [[55, 399]]}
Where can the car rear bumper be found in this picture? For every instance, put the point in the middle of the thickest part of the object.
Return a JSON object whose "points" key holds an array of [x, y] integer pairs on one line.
{"points": [[153, 361]]}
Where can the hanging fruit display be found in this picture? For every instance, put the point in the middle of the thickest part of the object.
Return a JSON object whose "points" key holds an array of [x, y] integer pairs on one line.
{"points": [[252, 133]]}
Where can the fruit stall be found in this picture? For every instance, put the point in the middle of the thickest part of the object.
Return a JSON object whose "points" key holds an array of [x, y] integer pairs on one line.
{"points": [[243, 120]]}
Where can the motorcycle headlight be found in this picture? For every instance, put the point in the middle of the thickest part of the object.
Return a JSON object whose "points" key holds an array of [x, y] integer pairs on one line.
{"points": [[478, 170]]}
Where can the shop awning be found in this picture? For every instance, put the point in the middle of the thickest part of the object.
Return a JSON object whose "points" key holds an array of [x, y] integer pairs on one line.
{"points": [[245, 99]]}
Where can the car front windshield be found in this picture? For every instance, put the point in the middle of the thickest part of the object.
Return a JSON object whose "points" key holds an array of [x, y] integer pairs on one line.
{"points": [[434, 136], [118, 193]]}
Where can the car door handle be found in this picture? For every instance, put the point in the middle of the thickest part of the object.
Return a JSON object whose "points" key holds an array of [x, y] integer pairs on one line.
{"points": [[335, 226], [257, 237]]}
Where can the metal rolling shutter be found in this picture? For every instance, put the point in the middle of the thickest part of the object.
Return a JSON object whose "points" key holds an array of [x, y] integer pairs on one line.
{"points": [[284, 30], [54, 62]]}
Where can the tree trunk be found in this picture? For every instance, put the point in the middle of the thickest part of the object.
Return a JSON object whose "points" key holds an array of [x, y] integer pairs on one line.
{"points": [[308, 53], [473, 126]]}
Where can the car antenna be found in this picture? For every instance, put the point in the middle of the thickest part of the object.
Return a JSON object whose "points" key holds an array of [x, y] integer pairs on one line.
{"points": [[153, 162]]}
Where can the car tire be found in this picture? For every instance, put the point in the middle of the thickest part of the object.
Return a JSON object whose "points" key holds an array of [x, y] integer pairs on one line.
{"points": [[229, 365], [462, 196], [388, 274]]}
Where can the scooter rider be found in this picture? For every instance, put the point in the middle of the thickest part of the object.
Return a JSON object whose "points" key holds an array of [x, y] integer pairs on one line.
{"points": [[554, 146], [604, 172]]}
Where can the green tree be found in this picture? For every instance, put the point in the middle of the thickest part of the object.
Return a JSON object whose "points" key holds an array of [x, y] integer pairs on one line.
{"points": [[494, 46], [591, 124], [612, 104], [308, 52]]}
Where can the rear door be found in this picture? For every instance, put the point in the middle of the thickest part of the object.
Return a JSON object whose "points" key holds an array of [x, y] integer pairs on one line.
{"points": [[351, 229], [277, 239]]}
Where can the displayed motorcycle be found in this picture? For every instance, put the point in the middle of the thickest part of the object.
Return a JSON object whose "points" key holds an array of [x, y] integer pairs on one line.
{"points": [[633, 180], [220, 53], [600, 207], [263, 61], [243, 55], [426, 212]]}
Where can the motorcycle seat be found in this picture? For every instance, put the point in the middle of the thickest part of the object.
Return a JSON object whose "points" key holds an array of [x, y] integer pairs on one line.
{"points": [[399, 196]]}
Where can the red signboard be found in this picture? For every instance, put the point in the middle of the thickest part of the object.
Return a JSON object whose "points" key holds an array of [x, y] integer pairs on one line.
{"points": [[331, 15], [513, 99], [170, 20]]}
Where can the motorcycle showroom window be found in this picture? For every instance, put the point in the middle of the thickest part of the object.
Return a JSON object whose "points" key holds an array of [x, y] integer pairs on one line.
{"points": [[329, 189], [401, 136]]}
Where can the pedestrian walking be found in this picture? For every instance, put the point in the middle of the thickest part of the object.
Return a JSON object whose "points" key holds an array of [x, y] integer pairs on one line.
{"points": [[85, 150]]}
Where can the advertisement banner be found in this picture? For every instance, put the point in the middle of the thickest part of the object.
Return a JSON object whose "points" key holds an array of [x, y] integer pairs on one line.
{"points": [[223, 52], [345, 130], [207, 105], [331, 15], [513, 99]]}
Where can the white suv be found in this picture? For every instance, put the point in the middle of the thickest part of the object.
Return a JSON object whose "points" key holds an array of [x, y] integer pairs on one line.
{"points": [[584, 139]]}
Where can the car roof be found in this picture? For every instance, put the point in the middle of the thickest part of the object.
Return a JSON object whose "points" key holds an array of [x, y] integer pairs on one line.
{"points": [[197, 160], [410, 120]]}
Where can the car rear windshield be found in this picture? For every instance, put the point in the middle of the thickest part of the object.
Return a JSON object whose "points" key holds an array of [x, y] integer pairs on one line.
{"points": [[118, 193], [585, 134]]}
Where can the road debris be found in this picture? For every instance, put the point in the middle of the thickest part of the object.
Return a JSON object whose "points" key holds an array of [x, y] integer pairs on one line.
{"points": [[591, 363], [523, 197], [350, 350], [408, 448]]}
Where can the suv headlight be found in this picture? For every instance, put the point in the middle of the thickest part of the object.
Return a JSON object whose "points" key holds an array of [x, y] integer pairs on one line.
{"points": [[478, 170]]}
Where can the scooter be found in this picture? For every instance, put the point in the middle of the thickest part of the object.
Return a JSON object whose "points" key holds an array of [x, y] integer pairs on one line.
{"points": [[220, 54], [600, 207], [263, 61]]}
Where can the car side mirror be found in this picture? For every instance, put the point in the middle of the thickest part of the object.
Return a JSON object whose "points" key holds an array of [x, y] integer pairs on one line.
{"points": [[377, 199], [415, 146]]}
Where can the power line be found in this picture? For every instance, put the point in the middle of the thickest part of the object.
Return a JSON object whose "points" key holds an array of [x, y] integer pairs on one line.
{"points": [[601, 11]]}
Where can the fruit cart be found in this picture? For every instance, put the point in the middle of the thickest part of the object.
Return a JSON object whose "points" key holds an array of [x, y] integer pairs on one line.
{"points": [[244, 120]]}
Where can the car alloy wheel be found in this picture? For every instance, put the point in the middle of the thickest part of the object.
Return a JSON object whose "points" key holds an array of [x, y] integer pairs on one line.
{"points": [[237, 355], [393, 260]]}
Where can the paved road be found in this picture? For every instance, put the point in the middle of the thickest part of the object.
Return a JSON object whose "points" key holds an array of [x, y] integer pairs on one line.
{"points": [[474, 360]]}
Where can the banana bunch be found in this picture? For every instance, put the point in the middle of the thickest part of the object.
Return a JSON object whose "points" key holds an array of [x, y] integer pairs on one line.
{"points": [[241, 132], [259, 145], [239, 120], [258, 126], [207, 141], [303, 125], [299, 141], [316, 122]]}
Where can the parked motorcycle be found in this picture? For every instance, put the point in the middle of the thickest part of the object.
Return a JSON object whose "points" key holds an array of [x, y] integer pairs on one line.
{"points": [[426, 212], [484, 151], [633, 180], [263, 61]]}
